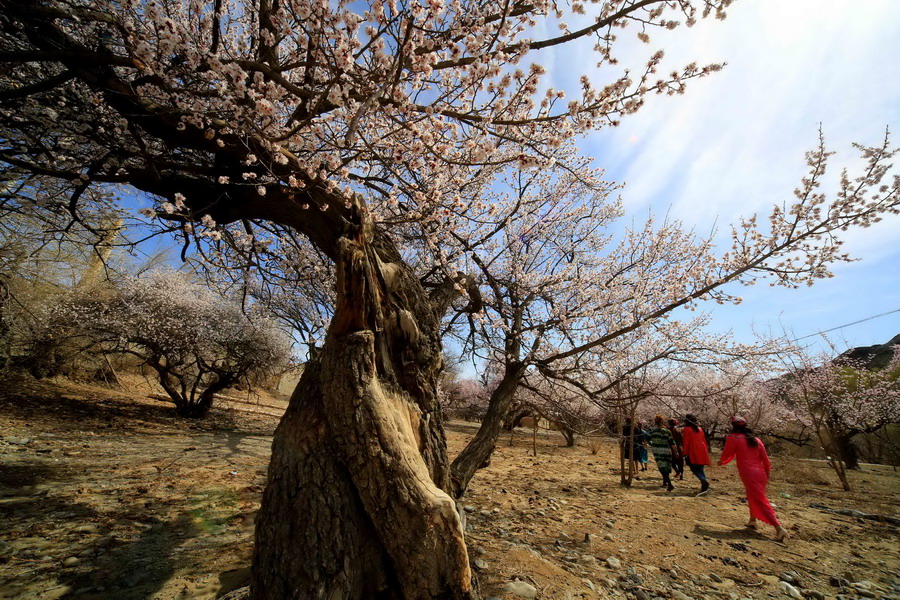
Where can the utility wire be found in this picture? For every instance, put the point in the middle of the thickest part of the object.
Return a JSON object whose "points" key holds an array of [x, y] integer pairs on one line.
{"points": [[847, 325]]}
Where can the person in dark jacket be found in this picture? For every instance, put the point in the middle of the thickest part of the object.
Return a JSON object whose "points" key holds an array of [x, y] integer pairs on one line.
{"points": [[678, 458], [631, 446]]}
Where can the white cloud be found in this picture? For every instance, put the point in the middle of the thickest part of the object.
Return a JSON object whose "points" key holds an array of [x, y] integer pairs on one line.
{"points": [[737, 139], [734, 143]]}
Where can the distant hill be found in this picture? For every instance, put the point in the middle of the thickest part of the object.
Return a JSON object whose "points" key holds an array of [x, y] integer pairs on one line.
{"points": [[874, 357]]}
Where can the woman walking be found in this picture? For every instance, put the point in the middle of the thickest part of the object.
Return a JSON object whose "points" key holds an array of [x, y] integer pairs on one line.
{"points": [[631, 442], [754, 468], [643, 455], [696, 453], [663, 446], [678, 458]]}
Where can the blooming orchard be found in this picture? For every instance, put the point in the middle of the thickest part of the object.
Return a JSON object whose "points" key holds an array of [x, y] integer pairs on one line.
{"points": [[567, 300], [381, 131]]}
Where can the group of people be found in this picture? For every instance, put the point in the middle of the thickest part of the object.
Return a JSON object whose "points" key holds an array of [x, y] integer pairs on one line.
{"points": [[674, 446]]}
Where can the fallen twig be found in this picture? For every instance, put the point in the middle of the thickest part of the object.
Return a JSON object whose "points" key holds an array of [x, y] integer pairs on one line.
{"points": [[857, 513], [159, 469]]}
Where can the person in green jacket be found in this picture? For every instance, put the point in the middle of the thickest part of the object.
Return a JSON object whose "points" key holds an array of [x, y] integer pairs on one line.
{"points": [[662, 444]]}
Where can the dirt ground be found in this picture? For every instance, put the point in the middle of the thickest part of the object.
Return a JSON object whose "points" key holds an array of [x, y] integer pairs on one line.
{"points": [[105, 494]]}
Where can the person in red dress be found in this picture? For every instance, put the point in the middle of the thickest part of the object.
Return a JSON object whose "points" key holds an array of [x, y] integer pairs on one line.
{"points": [[696, 452], [754, 468]]}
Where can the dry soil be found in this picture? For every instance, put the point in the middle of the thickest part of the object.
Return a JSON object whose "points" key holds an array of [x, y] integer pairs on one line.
{"points": [[107, 494]]}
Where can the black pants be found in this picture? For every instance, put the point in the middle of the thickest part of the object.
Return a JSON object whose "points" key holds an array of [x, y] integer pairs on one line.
{"points": [[678, 465]]}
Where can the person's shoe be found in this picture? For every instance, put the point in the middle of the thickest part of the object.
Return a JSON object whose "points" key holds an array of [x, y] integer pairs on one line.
{"points": [[704, 488], [782, 535], [670, 487]]}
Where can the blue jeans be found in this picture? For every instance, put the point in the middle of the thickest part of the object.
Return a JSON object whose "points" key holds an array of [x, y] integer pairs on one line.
{"points": [[697, 470]]}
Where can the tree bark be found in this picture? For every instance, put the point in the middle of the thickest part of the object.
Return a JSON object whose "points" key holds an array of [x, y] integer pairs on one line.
{"points": [[357, 504], [847, 450], [626, 447], [192, 410], [568, 434], [313, 537], [5, 327], [479, 450], [196, 408]]}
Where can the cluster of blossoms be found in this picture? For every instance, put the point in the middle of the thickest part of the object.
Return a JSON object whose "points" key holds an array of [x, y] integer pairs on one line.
{"points": [[413, 102], [845, 395], [188, 333]]}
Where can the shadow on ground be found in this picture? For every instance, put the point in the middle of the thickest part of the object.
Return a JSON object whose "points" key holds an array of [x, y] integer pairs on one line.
{"points": [[137, 569], [16, 479], [741, 533], [43, 400]]}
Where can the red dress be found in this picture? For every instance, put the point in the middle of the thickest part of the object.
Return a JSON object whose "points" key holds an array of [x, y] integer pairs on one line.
{"points": [[695, 450], [754, 467]]}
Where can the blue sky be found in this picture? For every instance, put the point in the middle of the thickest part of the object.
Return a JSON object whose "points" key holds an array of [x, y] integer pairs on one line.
{"points": [[734, 144]]}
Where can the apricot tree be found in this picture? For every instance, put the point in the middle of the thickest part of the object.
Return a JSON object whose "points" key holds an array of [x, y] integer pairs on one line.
{"points": [[377, 131]]}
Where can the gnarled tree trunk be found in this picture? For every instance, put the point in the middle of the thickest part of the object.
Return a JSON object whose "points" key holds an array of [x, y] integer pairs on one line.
{"points": [[479, 449], [357, 503], [568, 434], [313, 537], [190, 402]]}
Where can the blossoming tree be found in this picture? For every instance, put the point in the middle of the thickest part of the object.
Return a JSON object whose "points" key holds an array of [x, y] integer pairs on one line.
{"points": [[841, 398], [197, 342], [569, 300], [715, 393], [376, 130], [43, 253], [275, 271]]}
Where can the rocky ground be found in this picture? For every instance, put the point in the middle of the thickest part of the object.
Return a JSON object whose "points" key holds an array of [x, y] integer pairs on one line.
{"points": [[106, 494], [561, 523]]}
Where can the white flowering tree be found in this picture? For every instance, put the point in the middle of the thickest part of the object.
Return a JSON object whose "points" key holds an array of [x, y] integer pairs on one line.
{"points": [[465, 399], [567, 302], [717, 392], [197, 342], [276, 271], [376, 130], [841, 398]]}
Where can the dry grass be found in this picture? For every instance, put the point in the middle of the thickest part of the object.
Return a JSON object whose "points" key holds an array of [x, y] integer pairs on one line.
{"points": [[595, 443], [806, 472]]}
